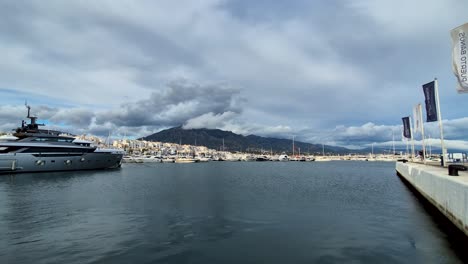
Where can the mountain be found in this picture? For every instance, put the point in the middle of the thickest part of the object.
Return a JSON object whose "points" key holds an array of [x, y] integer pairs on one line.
{"points": [[213, 139]]}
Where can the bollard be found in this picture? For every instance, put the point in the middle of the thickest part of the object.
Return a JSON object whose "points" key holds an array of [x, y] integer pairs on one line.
{"points": [[454, 168]]}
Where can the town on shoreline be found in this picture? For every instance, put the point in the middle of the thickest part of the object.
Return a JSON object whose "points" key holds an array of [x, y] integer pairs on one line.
{"points": [[141, 151]]}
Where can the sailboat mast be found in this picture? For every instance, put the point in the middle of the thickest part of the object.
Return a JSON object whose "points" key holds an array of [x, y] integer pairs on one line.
{"points": [[108, 139], [293, 146]]}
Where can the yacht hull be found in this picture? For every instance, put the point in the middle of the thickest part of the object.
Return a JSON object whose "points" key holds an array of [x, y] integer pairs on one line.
{"points": [[27, 162]]}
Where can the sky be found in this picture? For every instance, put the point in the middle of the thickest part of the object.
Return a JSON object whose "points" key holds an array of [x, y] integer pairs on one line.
{"points": [[337, 72]]}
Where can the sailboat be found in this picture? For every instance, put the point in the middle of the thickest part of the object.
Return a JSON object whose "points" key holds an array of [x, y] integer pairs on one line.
{"points": [[323, 157], [371, 158], [293, 157]]}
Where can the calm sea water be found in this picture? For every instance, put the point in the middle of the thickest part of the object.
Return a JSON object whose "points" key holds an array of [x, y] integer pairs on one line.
{"points": [[221, 212]]}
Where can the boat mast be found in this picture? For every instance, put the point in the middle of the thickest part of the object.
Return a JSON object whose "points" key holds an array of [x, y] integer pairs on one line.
{"points": [[293, 145], [107, 142]]}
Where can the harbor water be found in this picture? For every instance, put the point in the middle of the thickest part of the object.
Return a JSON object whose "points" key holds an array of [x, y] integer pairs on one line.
{"points": [[221, 212]]}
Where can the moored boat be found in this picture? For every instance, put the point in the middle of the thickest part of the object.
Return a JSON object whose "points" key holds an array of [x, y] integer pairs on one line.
{"points": [[39, 150], [185, 160]]}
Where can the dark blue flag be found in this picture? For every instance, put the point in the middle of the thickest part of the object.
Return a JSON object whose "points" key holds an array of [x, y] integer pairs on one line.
{"points": [[431, 108], [406, 127]]}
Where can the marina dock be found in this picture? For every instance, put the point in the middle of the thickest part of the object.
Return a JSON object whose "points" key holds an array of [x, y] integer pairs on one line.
{"points": [[449, 194]]}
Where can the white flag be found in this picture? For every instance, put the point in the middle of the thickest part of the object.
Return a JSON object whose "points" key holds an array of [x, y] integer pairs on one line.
{"points": [[459, 56], [417, 117]]}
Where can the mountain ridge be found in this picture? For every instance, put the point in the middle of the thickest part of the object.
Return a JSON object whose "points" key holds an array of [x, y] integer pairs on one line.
{"points": [[213, 139]]}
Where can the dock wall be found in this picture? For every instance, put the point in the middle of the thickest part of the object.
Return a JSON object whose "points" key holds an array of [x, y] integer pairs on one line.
{"points": [[447, 193]]}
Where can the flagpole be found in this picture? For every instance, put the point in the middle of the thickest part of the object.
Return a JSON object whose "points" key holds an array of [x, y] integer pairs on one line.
{"points": [[412, 140], [422, 133], [407, 148], [406, 142], [430, 145], [439, 117]]}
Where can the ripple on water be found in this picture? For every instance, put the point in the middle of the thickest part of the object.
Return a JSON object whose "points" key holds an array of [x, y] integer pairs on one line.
{"points": [[219, 213]]}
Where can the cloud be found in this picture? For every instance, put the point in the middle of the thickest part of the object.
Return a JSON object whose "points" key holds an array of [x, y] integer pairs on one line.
{"points": [[411, 21], [230, 121], [254, 67], [455, 134], [73, 117], [179, 102], [209, 120], [82, 121], [367, 132]]}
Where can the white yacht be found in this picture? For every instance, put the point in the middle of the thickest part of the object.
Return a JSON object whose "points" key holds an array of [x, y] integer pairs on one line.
{"points": [[31, 149], [283, 157], [185, 160], [150, 159]]}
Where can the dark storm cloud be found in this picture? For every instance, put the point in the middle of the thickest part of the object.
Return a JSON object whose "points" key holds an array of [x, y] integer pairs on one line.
{"points": [[179, 102]]}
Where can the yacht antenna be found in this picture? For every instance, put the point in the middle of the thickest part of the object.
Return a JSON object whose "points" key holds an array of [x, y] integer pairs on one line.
{"points": [[28, 107], [33, 119]]}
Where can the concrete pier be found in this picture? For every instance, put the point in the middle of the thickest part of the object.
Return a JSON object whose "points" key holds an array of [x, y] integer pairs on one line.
{"points": [[447, 193]]}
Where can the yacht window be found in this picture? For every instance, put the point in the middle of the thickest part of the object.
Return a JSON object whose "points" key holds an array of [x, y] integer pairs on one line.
{"points": [[45, 139], [55, 150], [54, 139], [83, 144], [9, 149]]}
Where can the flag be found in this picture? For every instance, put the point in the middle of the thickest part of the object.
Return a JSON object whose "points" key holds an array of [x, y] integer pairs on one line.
{"points": [[459, 56], [417, 118], [431, 108], [406, 127], [403, 138]]}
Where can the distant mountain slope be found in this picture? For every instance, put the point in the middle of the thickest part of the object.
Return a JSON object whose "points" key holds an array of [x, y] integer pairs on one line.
{"points": [[213, 138]]}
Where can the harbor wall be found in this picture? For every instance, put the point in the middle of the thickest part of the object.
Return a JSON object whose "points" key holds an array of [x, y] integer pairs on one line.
{"points": [[447, 193]]}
